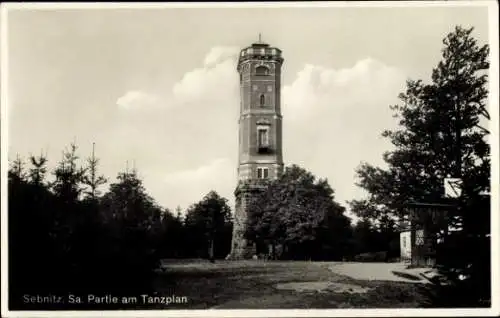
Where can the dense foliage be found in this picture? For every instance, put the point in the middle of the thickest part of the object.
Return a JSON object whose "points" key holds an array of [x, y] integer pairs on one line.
{"points": [[210, 224], [298, 215]]}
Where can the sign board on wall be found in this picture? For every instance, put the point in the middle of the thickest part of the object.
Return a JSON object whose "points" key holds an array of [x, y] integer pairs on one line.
{"points": [[452, 187]]}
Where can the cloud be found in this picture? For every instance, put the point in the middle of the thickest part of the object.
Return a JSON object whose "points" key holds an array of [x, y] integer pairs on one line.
{"points": [[333, 119], [137, 99], [221, 54], [216, 81], [209, 173], [190, 185], [319, 89]]}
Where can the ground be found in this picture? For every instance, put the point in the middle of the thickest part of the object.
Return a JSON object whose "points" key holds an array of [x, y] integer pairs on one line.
{"points": [[282, 285]]}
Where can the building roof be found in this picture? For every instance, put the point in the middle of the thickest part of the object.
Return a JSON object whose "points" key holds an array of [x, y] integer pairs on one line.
{"points": [[260, 44]]}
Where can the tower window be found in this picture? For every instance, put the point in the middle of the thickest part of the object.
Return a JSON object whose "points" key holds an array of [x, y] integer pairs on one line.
{"points": [[262, 173], [263, 137], [262, 70], [262, 100]]}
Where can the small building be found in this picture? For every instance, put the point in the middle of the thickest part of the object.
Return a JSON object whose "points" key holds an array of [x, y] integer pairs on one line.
{"points": [[420, 235]]}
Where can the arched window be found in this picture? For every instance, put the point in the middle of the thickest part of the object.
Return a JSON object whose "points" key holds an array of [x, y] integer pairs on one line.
{"points": [[262, 100], [262, 70]]}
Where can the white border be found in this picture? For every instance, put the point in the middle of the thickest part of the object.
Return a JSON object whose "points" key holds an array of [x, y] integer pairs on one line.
{"points": [[267, 4], [495, 173], [494, 109], [4, 153]]}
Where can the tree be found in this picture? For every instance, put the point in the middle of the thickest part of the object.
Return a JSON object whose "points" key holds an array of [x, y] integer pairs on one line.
{"points": [[16, 170], [298, 213], [206, 224], [30, 225], [172, 245], [69, 177], [178, 214], [92, 179], [68, 215], [364, 236], [38, 170], [442, 134], [133, 225]]}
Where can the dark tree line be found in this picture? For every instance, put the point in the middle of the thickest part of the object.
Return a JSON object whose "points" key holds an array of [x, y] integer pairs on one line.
{"points": [[65, 237], [376, 241]]}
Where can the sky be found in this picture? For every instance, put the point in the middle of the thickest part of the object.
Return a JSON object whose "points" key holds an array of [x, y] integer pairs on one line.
{"points": [[158, 88]]}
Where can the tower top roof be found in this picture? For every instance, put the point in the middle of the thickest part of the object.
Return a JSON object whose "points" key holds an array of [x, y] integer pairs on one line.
{"points": [[260, 44], [260, 50]]}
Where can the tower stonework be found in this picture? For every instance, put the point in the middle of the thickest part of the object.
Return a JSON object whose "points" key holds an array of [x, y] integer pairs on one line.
{"points": [[260, 133]]}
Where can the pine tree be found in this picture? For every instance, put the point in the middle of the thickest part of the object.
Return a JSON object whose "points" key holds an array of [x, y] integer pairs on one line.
{"points": [[442, 134], [38, 170], [69, 177], [133, 226], [92, 179], [17, 171]]}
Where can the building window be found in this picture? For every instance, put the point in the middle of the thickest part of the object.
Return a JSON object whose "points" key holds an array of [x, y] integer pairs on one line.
{"points": [[262, 100], [262, 71], [254, 87], [404, 241], [269, 88], [262, 173], [263, 137], [419, 237]]}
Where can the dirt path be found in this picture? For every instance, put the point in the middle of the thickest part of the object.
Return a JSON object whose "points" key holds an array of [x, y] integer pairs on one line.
{"points": [[395, 272]]}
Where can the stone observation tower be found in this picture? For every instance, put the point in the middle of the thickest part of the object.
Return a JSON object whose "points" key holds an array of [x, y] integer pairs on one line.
{"points": [[260, 133]]}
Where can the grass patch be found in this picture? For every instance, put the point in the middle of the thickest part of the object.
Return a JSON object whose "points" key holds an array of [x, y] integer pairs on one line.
{"points": [[252, 285]]}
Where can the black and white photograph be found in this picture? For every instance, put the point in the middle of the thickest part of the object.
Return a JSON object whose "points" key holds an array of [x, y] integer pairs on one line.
{"points": [[223, 158]]}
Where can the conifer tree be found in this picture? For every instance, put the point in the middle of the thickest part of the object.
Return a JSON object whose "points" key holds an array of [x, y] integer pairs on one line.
{"points": [[443, 133], [92, 179]]}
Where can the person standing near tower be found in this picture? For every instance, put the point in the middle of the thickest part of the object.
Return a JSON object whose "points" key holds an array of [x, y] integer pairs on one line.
{"points": [[260, 133]]}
